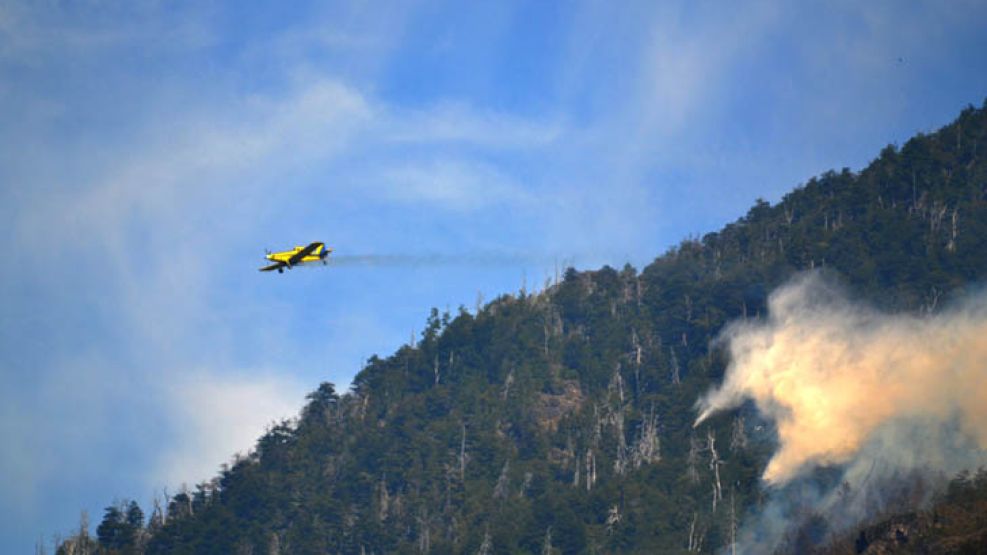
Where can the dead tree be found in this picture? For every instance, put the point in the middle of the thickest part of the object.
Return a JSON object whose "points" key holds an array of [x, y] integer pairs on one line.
{"points": [[638, 357], [525, 484], [462, 456], [486, 547], [546, 545], [674, 361], [733, 524], [424, 532], [505, 391], [738, 434], [696, 534], [693, 460], [647, 450], [613, 519], [714, 467], [590, 469], [383, 500], [951, 245], [500, 490]]}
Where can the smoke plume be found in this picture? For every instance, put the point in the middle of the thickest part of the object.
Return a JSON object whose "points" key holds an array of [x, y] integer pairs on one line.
{"points": [[406, 260], [882, 398]]}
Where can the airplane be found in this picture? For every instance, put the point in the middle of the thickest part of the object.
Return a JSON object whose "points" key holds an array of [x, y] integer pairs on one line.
{"points": [[315, 252]]}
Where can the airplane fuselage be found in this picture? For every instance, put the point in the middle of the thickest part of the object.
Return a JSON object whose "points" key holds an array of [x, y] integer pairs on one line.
{"points": [[285, 256], [314, 252]]}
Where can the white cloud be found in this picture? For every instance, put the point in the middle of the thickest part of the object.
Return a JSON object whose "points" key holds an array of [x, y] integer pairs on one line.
{"points": [[687, 63], [32, 35], [453, 184], [196, 155], [452, 122], [219, 416]]}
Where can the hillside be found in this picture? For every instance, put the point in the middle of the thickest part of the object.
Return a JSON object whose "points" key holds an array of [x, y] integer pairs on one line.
{"points": [[560, 421], [955, 523]]}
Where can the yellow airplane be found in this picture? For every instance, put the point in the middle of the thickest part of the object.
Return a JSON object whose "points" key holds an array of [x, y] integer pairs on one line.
{"points": [[315, 252]]}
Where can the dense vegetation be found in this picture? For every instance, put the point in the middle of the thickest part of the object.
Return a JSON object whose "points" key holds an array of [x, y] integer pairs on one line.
{"points": [[561, 421]]}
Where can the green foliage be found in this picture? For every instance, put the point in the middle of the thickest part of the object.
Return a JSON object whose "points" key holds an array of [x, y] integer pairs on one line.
{"points": [[121, 529]]}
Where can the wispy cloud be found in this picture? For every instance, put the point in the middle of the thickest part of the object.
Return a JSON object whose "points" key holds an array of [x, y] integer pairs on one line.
{"points": [[34, 35], [457, 123], [455, 185], [220, 416]]}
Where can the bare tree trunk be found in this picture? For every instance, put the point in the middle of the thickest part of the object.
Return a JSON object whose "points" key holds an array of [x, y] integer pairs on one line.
{"points": [[638, 351], [424, 534], [714, 466], [676, 379], [648, 448], [617, 384], [84, 533], [693, 543], [590, 470], [620, 463], [462, 456], [693, 460], [500, 490], [487, 546], [738, 435], [505, 391], [613, 519], [951, 246], [932, 300], [733, 524], [384, 500]]}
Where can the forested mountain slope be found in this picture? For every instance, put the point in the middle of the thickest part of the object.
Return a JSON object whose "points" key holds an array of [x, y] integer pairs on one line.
{"points": [[561, 421], [956, 523]]}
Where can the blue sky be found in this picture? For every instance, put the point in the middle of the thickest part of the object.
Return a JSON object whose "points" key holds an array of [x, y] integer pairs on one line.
{"points": [[149, 152]]}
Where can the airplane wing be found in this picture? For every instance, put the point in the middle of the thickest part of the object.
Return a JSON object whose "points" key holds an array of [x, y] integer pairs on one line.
{"points": [[303, 253], [275, 266]]}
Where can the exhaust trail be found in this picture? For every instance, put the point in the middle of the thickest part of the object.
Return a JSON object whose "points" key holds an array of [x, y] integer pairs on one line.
{"points": [[404, 260]]}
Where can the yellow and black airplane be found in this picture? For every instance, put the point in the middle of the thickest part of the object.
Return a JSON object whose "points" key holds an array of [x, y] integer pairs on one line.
{"points": [[315, 252]]}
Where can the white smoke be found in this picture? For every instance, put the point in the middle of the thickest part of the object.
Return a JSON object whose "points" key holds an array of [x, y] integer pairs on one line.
{"points": [[895, 403]]}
